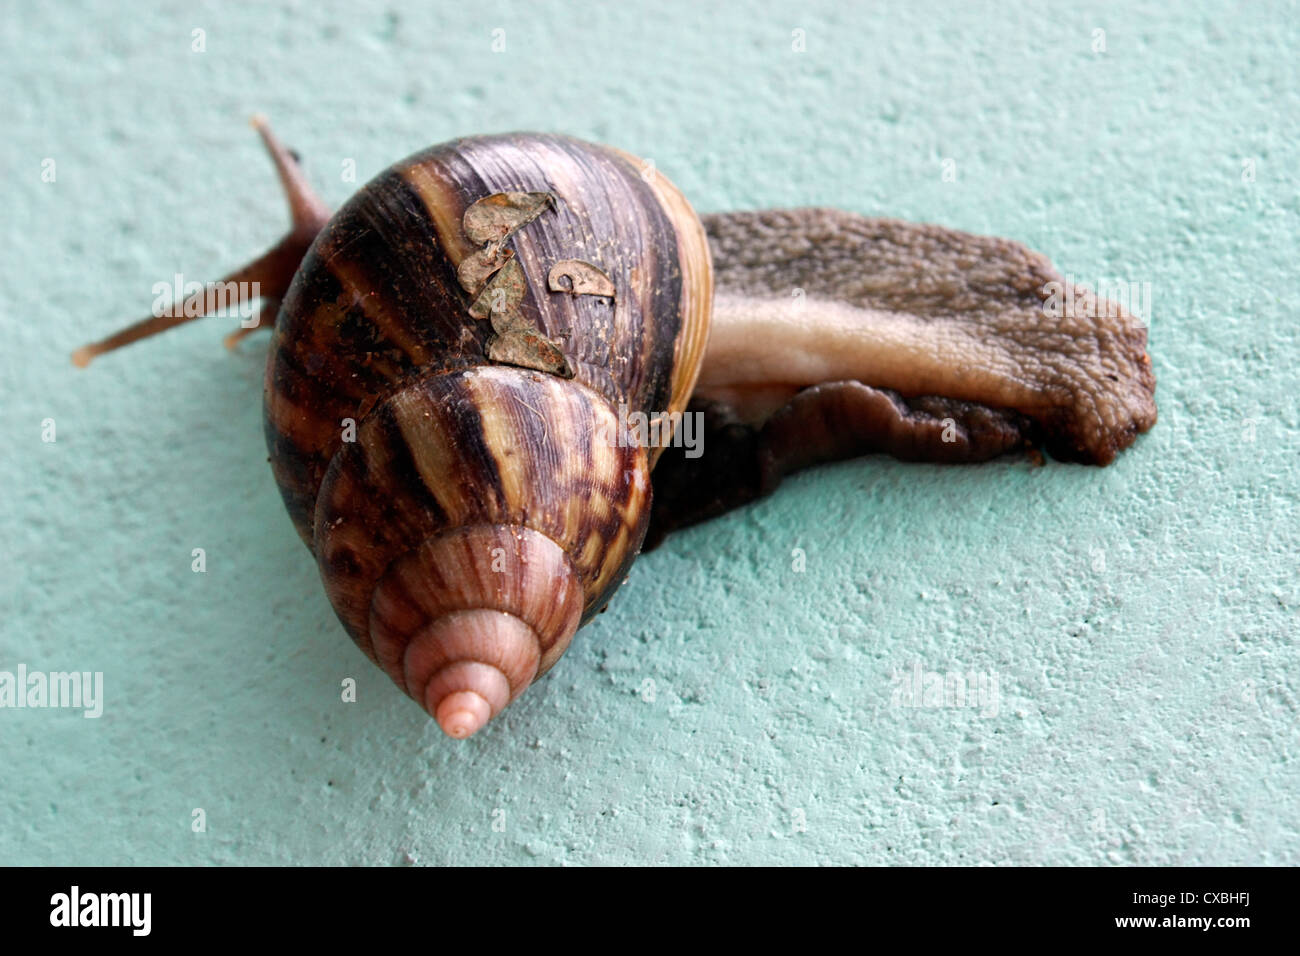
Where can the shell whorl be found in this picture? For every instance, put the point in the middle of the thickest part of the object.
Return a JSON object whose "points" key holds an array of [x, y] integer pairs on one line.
{"points": [[491, 491], [489, 445], [377, 300], [481, 512], [466, 621]]}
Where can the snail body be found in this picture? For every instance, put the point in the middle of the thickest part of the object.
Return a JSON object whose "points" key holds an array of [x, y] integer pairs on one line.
{"points": [[457, 351]]}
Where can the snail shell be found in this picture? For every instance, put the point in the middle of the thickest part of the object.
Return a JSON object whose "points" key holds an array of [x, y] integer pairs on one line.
{"points": [[468, 515]]}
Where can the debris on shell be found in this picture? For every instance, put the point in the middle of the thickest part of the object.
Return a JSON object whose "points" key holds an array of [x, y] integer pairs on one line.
{"points": [[497, 281], [502, 294], [584, 279], [529, 349], [495, 217], [474, 270]]}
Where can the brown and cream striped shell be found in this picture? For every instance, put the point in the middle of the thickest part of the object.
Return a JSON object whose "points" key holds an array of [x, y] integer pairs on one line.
{"points": [[443, 399]]}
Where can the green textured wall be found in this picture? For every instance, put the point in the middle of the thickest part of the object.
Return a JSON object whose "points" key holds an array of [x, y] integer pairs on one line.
{"points": [[1140, 620]]}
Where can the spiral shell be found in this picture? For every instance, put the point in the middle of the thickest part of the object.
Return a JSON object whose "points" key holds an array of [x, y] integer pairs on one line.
{"points": [[444, 398]]}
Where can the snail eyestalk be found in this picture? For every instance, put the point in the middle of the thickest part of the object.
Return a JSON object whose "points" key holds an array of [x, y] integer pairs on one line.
{"points": [[271, 273]]}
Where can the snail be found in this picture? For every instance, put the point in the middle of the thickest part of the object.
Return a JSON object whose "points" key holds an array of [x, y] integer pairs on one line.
{"points": [[460, 350]]}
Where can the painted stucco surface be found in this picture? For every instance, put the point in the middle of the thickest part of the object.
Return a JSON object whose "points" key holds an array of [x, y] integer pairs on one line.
{"points": [[1139, 621]]}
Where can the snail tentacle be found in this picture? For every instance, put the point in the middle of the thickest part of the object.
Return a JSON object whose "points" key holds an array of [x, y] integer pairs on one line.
{"points": [[307, 211], [270, 274], [266, 312]]}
